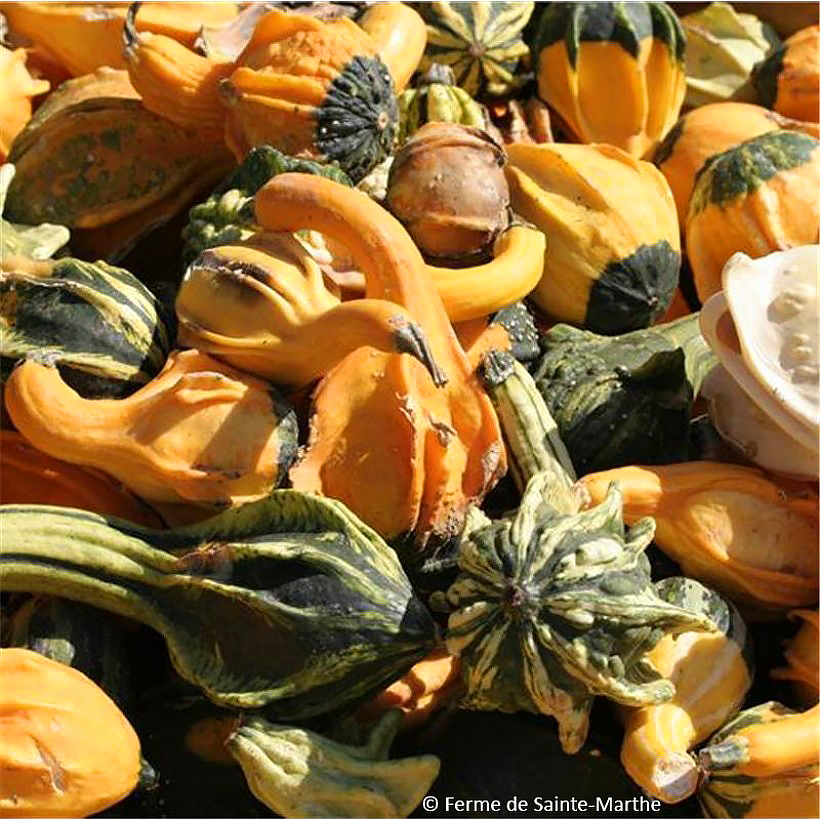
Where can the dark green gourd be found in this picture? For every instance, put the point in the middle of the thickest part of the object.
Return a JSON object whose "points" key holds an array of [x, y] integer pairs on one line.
{"points": [[103, 328], [289, 602]]}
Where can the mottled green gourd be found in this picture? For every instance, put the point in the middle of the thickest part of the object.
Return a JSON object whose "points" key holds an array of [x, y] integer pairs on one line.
{"points": [[436, 98], [227, 215], [289, 602], [480, 41], [552, 608], [104, 329], [625, 399], [299, 773], [34, 241]]}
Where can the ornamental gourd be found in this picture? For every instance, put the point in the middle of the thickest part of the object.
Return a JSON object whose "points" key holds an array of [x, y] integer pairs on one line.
{"points": [[480, 41], [553, 606], [299, 773], [137, 159], [788, 80], [67, 750], [803, 657], [32, 477], [712, 672], [708, 130], [104, 330], [613, 71], [86, 36], [758, 197], [613, 244], [747, 534], [263, 307], [200, 431], [289, 602], [763, 763], [439, 447]]}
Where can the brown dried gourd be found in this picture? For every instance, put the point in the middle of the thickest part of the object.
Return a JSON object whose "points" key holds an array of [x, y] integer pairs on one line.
{"points": [[67, 750], [199, 431]]}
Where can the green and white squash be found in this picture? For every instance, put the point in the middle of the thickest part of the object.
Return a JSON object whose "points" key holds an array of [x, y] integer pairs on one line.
{"points": [[103, 328], [289, 603], [552, 608], [299, 773], [480, 41]]}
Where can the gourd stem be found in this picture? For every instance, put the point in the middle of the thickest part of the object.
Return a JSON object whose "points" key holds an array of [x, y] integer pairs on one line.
{"points": [[529, 429]]}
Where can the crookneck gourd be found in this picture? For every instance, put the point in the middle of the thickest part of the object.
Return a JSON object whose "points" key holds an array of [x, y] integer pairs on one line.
{"points": [[481, 41], [67, 750], [439, 448], [623, 399], [763, 763], [200, 431], [758, 197], [307, 87], [554, 606], [614, 72], [104, 330], [262, 306], [85, 36], [288, 602], [137, 159], [712, 673], [744, 532], [32, 477], [299, 773], [788, 80], [708, 130], [613, 252]]}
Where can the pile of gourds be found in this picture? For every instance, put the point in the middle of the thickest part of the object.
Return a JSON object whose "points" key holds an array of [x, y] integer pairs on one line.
{"points": [[325, 361]]}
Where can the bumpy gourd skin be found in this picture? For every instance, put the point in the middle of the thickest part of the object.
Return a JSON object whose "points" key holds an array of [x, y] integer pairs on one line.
{"points": [[67, 750]]}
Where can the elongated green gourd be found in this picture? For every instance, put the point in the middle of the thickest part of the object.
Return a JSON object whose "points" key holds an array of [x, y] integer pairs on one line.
{"points": [[289, 602]]}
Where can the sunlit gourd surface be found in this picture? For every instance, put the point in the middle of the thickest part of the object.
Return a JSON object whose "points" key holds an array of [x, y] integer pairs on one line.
{"points": [[409, 408]]}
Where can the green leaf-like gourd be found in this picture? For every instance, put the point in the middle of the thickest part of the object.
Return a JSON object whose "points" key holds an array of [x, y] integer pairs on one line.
{"points": [[227, 215], [103, 328], [554, 606], [289, 602], [625, 399], [298, 773]]}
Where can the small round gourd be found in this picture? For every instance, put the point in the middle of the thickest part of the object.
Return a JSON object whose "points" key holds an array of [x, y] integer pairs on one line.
{"points": [[67, 750]]}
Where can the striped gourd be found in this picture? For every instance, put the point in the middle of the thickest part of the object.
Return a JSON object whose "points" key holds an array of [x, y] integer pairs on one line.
{"points": [[480, 41], [763, 763], [553, 607], [712, 673], [105, 330], [289, 602]]}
